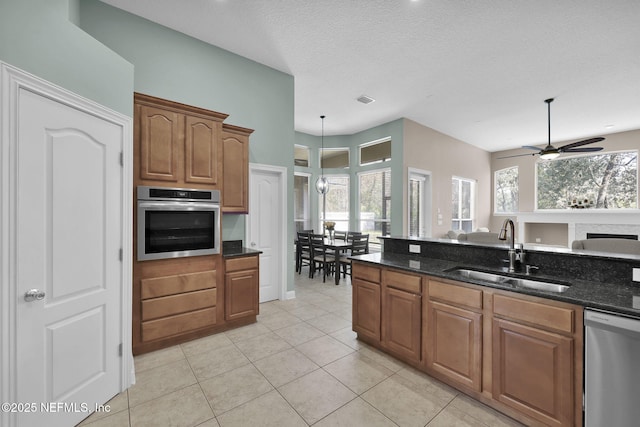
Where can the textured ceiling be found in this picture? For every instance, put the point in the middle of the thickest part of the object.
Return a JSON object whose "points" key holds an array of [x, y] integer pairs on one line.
{"points": [[476, 70]]}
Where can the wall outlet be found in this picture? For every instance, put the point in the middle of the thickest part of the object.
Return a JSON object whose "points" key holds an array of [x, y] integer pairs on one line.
{"points": [[538, 240], [415, 249], [636, 274]]}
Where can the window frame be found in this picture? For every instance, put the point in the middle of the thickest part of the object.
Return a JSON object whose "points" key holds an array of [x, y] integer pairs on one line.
{"points": [[328, 149], [473, 204], [374, 242], [348, 210], [369, 144], [602, 210], [308, 220], [308, 149]]}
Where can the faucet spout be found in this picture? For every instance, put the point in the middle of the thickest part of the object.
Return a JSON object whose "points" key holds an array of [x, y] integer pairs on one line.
{"points": [[512, 250], [503, 233]]}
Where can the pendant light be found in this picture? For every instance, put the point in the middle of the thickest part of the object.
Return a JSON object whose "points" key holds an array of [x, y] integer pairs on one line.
{"points": [[322, 184]]}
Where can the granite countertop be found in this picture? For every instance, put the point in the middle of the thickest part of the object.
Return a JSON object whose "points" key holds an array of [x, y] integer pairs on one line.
{"points": [[618, 298], [239, 252]]}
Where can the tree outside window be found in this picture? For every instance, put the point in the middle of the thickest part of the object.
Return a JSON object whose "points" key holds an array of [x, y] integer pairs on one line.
{"points": [[506, 191], [602, 181]]}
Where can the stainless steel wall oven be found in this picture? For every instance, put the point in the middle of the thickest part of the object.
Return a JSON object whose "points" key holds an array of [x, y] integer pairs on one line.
{"points": [[177, 222]]}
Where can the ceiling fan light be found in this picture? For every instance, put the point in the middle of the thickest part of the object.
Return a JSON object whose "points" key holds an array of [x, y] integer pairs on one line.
{"points": [[550, 155]]}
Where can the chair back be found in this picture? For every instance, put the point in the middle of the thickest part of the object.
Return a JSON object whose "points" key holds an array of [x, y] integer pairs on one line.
{"points": [[340, 235], [303, 239], [317, 243], [352, 234], [360, 244]]}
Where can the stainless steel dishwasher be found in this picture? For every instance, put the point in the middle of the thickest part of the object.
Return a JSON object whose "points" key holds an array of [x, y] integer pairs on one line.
{"points": [[612, 369]]}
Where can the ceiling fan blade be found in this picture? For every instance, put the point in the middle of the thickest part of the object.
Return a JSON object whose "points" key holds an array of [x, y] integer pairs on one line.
{"points": [[531, 147], [581, 143], [581, 150], [517, 155]]}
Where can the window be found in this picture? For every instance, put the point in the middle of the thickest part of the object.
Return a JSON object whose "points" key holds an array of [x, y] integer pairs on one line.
{"points": [[337, 202], [301, 211], [375, 203], [463, 200], [375, 152], [334, 158], [506, 193], [419, 197], [602, 181], [301, 155]]}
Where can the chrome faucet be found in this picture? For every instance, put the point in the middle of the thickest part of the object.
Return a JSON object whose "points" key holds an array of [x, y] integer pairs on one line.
{"points": [[514, 254]]}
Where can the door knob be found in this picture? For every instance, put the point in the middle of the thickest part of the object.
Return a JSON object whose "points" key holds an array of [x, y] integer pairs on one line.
{"points": [[33, 295]]}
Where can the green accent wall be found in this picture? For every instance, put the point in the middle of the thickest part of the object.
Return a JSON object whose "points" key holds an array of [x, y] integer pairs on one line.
{"points": [[38, 36], [172, 65]]}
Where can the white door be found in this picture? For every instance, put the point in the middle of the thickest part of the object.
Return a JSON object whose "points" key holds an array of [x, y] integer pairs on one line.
{"points": [[265, 227], [68, 239]]}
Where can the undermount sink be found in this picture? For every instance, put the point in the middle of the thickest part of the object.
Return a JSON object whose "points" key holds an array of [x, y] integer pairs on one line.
{"points": [[516, 282]]}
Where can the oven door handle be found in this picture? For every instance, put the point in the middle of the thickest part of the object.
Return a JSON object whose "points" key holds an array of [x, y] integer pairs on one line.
{"points": [[178, 206]]}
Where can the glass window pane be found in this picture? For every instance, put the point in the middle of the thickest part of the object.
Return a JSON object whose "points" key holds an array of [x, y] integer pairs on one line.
{"points": [[603, 181], [337, 202], [301, 213], [506, 191], [455, 198], [375, 204], [301, 155], [335, 158], [374, 153]]}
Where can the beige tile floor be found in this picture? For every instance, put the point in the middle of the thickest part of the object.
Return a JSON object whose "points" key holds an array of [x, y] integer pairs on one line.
{"points": [[299, 365]]}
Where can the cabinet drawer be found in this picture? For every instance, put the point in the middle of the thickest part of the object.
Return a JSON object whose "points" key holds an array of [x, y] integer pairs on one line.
{"points": [[546, 316], [456, 295], [406, 282], [177, 324], [171, 285], [181, 303], [365, 272], [242, 263]]}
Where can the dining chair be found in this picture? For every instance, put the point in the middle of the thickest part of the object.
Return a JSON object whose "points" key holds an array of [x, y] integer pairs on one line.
{"points": [[340, 235], [351, 234], [303, 251], [322, 257], [359, 246]]}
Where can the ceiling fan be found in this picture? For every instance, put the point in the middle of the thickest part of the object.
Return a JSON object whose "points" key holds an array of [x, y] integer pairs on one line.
{"points": [[550, 152]]}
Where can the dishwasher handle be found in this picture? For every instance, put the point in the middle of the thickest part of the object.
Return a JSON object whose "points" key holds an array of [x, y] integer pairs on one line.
{"points": [[611, 321]]}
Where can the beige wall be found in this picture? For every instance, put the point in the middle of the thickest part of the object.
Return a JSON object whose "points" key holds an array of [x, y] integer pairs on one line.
{"points": [[444, 157], [629, 140]]}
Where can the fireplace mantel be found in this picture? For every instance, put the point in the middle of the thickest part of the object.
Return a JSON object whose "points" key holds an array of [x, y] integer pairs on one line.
{"points": [[581, 221]]}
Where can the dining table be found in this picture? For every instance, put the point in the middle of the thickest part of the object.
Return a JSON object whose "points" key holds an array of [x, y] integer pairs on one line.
{"points": [[338, 246]]}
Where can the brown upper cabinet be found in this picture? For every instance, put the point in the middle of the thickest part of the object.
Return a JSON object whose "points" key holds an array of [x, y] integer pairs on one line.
{"points": [[235, 152], [177, 144]]}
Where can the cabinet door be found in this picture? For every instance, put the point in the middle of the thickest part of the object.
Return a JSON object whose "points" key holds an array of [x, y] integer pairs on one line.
{"points": [[366, 309], [533, 372], [201, 150], [401, 323], [235, 182], [161, 135], [241, 294], [454, 343]]}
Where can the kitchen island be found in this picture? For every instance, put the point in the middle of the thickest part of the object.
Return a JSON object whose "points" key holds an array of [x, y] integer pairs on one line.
{"points": [[518, 350]]}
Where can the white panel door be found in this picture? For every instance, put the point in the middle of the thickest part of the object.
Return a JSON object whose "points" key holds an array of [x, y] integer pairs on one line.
{"points": [[265, 230], [68, 238]]}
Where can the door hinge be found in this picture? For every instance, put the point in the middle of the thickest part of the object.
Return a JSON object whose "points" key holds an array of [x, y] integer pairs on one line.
{"points": [[122, 158], [120, 254], [120, 349]]}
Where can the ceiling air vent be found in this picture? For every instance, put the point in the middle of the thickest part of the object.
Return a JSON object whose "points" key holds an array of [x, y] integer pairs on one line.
{"points": [[366, 99]]}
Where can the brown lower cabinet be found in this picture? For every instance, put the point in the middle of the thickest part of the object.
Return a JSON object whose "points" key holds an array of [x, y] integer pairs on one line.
{"points": [[517, 353], [241, 283]]}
